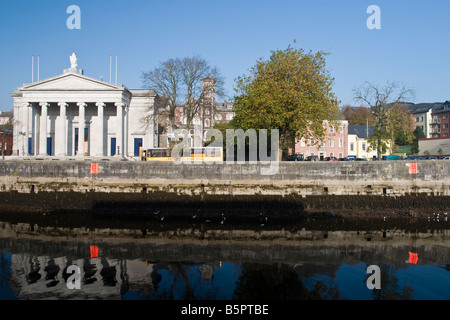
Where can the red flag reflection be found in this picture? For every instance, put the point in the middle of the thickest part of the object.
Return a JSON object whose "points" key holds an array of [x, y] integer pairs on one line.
{"points": [[94, 252], [413, 258]]}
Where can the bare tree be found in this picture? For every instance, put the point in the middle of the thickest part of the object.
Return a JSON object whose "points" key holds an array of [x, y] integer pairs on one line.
{"points": [[381, 100], [166, 81], [179, 84]]}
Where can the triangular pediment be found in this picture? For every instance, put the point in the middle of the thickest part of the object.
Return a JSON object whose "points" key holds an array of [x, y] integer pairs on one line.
{"points": [[71, 82]]}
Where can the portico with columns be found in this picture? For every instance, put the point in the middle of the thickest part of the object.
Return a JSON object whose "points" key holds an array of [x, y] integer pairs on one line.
{"points": [[77, 116]]}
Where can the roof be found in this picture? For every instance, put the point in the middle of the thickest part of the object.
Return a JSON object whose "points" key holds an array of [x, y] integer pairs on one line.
{"points": [[8, 114], [361, 131], [443, 108], [426, 107]]}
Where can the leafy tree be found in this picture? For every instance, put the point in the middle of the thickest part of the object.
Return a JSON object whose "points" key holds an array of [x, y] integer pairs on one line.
{"points": [[418, 134], [400, 125], [381, 100], [291, 92]]}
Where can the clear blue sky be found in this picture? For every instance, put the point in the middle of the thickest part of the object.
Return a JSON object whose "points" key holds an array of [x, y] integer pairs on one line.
{"points": [[413, 45]]}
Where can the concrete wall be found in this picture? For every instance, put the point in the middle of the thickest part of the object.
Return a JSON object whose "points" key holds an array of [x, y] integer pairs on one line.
{"points": [[284, 178]]}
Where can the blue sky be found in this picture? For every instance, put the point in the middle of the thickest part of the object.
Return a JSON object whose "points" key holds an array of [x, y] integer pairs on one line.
{"points": [[412, 47]]}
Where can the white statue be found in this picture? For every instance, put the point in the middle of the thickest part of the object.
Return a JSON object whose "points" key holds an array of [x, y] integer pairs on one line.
{"points": [[73, 61]]}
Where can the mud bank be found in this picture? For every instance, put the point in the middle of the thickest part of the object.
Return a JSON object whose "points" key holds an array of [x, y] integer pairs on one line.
{"points": [[168, 210], [132, 203]]}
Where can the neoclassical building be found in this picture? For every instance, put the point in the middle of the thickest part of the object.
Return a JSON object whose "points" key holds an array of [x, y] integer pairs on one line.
{"points": [[75, 115]]}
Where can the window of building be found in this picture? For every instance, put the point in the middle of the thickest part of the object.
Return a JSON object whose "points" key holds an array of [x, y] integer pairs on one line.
{"points": [[340, 155], [331, 129], [207, 123], [445, 125], [417, 119], [331, 154], [352, 146], [331, 143], [312, 142], [364, 146], [302, 142], [229, 116], [341, 142], [207, 111]]}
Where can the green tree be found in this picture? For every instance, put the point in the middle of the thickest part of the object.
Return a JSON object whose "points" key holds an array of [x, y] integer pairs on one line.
{"points": [[291, 92], [400, 125], [382, 101], [418, 134]]}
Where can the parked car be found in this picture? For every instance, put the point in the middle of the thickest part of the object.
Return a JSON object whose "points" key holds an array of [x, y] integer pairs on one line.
{"points": [[413, 158], [361, 159], [445, 158], [331, 159], [295, 157], [391, 158], [345, 159], [312, 158]]}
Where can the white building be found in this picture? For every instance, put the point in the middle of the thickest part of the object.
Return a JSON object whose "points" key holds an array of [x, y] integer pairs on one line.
{"points": [[75, 115], [358, 145]]}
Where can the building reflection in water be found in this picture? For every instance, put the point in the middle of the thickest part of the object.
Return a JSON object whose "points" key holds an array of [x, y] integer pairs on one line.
{"points": [[331, 267]]}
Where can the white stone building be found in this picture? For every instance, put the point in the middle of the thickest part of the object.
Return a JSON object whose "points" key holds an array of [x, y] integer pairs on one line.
{"points": [[75, 115]]}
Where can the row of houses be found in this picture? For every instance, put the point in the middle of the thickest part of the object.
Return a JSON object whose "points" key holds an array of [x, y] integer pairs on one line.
{"points": [[342, 141], [432, 118]]}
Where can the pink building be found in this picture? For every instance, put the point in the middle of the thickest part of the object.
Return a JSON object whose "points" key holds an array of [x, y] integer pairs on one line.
{"points": [[335, 145]]}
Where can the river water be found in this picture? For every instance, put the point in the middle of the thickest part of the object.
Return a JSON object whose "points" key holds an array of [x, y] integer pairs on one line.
{"points": [[214, 259]]}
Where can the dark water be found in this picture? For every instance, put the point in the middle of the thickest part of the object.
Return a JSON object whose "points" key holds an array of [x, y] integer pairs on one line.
{"points": [[210, 260]]}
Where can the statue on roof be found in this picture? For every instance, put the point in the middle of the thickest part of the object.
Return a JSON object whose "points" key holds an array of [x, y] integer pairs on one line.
{"points": [[73, 61]]}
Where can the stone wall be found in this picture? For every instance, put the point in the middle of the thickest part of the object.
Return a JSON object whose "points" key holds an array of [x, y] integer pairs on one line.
{"points": [[302, 178], [129, 186]]}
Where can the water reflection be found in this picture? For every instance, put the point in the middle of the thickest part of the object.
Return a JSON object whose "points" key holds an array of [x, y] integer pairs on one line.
{"points": [[128, 265]]}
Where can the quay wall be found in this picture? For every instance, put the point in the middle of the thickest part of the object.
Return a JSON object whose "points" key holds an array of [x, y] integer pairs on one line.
{"points": [[76, 184]]}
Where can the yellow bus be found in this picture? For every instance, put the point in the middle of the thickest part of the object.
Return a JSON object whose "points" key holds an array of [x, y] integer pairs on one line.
{"points": [[196, 154]]}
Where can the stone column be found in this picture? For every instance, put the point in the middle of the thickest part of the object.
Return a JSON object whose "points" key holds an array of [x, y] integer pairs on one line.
{"points": [[81, 126], [125, 131], [119, 128], [34, 130], [61, 135], [26, 129], [43, 129], [100, 128]]}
